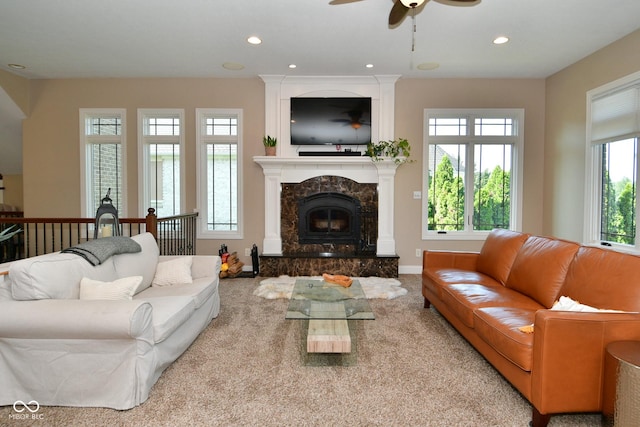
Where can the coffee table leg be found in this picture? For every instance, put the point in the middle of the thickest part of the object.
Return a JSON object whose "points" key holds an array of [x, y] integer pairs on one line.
{"points": [[328, 336]]}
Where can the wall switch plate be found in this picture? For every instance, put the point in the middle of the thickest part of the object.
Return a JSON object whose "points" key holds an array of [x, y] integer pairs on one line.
{"points": [[247, 251], [417, 195]]}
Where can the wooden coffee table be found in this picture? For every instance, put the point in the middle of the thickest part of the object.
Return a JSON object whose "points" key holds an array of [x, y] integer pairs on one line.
{"points": [[330, 310]]}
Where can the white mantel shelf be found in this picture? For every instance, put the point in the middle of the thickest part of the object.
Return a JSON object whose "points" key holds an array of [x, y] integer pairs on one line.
{"points": [[278, 170]]}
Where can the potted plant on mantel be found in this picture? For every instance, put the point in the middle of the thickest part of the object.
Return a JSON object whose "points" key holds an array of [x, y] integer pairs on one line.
{"points": [[398, 150], [269, 145]]}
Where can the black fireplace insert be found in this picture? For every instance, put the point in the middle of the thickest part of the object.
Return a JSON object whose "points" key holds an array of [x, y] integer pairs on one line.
{"points": [[329, 218]]}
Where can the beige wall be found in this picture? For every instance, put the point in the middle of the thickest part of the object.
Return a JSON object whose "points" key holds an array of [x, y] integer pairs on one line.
{"points": [[17, 88], [51, 140], [553, 158], [13, 191], [564, 166], [412, 97]]}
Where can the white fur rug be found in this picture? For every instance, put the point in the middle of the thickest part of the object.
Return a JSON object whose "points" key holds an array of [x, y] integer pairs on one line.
{"points": [[373, 287]]}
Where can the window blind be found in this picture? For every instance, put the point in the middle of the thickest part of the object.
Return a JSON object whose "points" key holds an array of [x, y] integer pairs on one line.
{"points": [[616, 115]]}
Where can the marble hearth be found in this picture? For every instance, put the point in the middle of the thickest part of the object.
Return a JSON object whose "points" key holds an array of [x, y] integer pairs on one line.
{"points": [[289, 179]]}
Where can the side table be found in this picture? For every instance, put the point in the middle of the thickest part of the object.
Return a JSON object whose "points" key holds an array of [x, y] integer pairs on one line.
{"points": [[621, 385]]}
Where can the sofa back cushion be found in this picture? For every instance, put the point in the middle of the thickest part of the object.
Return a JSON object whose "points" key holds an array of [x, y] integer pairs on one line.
{"points": [[498, 253], [604, 279], [540, 268], [54, 276], [142, 263]]}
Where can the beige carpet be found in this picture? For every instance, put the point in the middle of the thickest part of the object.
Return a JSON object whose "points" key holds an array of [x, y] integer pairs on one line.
{"points": [[373, 287], [245, 370]]}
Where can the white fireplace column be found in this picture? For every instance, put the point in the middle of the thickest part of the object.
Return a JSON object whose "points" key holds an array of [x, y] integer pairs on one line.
{"points": [[272, 243], [386, 180]]}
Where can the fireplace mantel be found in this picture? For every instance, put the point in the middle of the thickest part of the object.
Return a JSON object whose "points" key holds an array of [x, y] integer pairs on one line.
{"points": [[279, 170]]}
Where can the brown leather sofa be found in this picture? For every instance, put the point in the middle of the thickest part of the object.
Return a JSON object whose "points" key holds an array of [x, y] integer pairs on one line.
{"points": [[513, 282]]}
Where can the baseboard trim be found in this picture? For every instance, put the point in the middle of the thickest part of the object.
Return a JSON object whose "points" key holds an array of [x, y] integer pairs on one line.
{"points": [[409, 269]]}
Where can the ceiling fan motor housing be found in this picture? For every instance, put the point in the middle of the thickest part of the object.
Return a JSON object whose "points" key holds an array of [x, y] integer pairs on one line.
{"points": [[412, 3]]}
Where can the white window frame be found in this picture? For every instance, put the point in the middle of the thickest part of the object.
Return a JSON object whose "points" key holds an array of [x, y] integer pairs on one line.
{"points": [[517, 142], [144, 162], [593, 169], [86, 210], [201, 169]]}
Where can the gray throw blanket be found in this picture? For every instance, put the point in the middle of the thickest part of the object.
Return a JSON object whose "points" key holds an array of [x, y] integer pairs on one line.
{"points": [[98, 251]]}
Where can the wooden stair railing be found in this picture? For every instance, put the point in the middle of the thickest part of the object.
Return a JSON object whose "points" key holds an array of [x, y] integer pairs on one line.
{"points": [[175, 235]]}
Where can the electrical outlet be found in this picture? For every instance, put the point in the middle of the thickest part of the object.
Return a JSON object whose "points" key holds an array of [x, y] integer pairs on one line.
{"points": [[247, 252], [418, 253], [417, 195]]}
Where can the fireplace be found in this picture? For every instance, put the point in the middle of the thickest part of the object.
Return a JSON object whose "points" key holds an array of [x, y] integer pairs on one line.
{"points": [[340, 239], [329, 215], [329, 218]]}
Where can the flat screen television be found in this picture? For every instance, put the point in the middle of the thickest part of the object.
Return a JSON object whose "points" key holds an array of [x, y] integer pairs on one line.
{"points": [[330, 121]]}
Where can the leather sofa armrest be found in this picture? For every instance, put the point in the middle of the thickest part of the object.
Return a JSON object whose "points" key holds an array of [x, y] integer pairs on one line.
{"points": [[450, 259], [568, 357], [76, 319]]}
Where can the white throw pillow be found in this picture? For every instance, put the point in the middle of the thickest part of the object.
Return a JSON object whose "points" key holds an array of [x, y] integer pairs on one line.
{"points": [[176, 271], [567, 304], [121, 289]]}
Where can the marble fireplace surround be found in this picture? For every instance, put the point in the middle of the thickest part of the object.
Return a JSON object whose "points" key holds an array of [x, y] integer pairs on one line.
{"points": [[280, 170], [288, 167]]}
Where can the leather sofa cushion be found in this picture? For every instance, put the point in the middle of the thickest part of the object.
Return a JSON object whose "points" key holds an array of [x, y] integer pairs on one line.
{"points": [[604, 279], [498, 327], [436, 278], [540, 268], [464, 299], [498, 253]]}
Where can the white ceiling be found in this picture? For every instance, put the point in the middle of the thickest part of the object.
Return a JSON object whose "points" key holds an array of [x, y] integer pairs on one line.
{"points": [[193, 38]]}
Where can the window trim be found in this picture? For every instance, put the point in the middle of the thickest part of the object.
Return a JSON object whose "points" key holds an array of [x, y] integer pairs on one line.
{"points": [[201, 171], [517, 114], [85, 140], [143, 156], [593, 170]]}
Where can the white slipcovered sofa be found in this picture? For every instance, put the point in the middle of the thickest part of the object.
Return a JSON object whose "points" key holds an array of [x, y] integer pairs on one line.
{"points": [[62, 344]]}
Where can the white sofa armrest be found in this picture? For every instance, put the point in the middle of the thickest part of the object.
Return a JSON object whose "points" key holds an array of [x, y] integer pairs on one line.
{"points": [[76, 319]]}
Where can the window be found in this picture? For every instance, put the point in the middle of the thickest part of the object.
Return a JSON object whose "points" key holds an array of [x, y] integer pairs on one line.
{"points": [[102, 148], [472, 178], [613, 131], [219, 137], [161, 144]]}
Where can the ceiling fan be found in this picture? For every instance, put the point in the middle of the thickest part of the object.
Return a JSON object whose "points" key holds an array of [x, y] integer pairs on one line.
{"points": [[401, 8]]}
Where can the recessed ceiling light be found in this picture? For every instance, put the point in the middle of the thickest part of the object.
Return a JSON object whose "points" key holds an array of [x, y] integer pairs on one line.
{"points": [[500, 40], [254, 40], [292, 66], [369, 65], [233, 66], [17, 66], [426, 66]]}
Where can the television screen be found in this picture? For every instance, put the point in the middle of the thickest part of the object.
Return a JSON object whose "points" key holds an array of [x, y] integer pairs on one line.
{"points": [[330, 121]]}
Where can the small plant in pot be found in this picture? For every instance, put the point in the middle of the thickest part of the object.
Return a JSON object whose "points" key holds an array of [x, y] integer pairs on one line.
{"points": [[398, 150], [270, 145]]}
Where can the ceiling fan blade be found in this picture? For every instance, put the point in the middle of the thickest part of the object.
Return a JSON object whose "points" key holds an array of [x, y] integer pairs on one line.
{"points": [[337, 2], [398, 12], [459, 2]]}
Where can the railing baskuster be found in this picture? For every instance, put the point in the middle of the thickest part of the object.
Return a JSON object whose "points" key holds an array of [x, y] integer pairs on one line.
{"points": [[176, 235]]}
